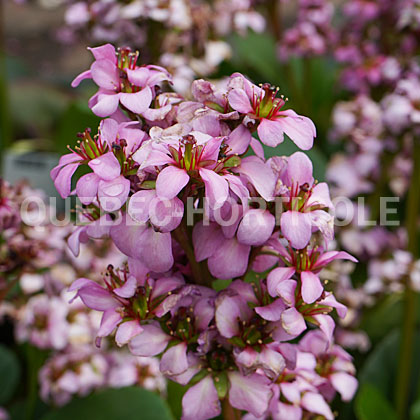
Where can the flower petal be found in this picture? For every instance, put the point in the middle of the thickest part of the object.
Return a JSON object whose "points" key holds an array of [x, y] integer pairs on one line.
{"points": [[301, 130], [174, 361], [239, 101], [87, 188], [270, 132], [106, 166], [170, 181], [217, 188], [311, 286], [126, 331], [137, 102], [297, 228], [150, 342], [230, 260], [256, 227], [277, 276], [201, 401], [106, 104], [250, 393], [105, 74]]}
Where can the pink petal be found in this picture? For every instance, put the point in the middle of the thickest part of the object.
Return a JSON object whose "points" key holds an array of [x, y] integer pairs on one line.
{"points": [[345, 384], [63, 180], [106, 166], [110, 319], [239, 101], [109, 130], [271, 312], [276, 277], [64, 160], [150, 342], [106, 104], [174, 361], [330, 256], [126, 331], [297, 228], [138, 76], [206, 240], [288, 412], [260, 175], [293, 322], [99, 228], [137, 102], [257, 148], [286, 290], [97, 298], [156, 250], [230, 260], [127, 235], [256, 227], [87, 188], [104, 52], [170, 181], [139, 204], [299, 169], [201, 401], [314, 403], [166, 214], [311, 286], [82, 76], [113, 194], [217, 188], [239, 140], [227, 315], [301, 130], [105, 74], [320, 195], [128, 289], [270, 132], [326, 325], [77, 237], [250, 393]]}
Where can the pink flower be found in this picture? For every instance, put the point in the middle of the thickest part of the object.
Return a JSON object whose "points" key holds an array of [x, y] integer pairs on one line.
{"points": [[120, 81], [308, 263], [251, 393], [306, 202], [190, 159], [262, 104]]}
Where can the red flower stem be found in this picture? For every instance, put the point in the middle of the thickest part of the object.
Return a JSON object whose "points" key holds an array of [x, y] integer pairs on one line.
{"points": [[230, 413]]}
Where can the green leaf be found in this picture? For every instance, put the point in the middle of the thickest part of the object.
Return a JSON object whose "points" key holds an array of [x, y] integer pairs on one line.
{"points": [[220, 284], [372, 405], [175, 393], [9, 374], [115, 404], [380, 368], [263, 59], [415, 411], [76, 118]]}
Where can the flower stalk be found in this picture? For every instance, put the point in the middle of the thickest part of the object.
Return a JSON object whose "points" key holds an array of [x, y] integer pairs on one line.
{"points": [[410, 296]]}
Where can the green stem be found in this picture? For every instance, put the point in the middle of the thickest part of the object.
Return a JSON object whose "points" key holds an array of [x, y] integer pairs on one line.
{"points": [[410, 296], [5, 125]]}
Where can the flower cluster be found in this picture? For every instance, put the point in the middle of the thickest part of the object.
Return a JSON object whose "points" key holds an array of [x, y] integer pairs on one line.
{"points": [[184, 191], [36, 271], [312, 34], [378, 126], [191, 34]]}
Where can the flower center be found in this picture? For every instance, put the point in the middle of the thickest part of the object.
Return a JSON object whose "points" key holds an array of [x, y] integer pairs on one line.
{"points": [[265, 103]]}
